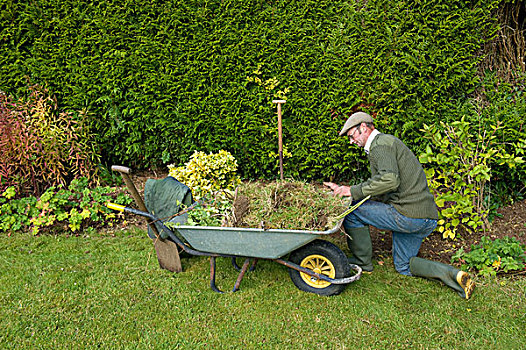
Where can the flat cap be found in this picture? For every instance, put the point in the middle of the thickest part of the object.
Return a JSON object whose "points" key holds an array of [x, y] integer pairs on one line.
{"points": [[355, 119]]}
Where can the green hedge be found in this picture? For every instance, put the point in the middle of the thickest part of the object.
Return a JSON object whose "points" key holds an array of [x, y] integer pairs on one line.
{"points": [[162, 79]]}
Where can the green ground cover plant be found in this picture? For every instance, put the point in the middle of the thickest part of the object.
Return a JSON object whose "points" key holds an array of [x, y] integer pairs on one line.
{"points": [[68, 209], [490, 257], [108, 292]]}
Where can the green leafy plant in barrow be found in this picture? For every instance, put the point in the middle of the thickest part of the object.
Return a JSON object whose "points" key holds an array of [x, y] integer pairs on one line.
{"points": [[461, 161], [493, 256], [212, 211]]}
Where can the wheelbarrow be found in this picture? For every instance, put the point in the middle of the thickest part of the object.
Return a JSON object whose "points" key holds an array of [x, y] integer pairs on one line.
{"points": [[315, 265]]}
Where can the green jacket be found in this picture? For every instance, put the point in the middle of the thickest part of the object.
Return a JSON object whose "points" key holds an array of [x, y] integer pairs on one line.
{"points": [[397, 178]]}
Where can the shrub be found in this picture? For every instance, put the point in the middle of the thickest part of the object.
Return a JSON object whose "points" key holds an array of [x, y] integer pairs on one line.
{"points": [[506, 103], [41, 146], [491, 257], [207, 173], [461, 168]]}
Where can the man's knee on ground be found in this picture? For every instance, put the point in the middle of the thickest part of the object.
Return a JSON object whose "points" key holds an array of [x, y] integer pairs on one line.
{"points": [[403, 269]]}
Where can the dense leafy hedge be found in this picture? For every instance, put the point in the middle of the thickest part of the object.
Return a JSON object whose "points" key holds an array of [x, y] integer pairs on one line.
{"points": [[162, 79]]}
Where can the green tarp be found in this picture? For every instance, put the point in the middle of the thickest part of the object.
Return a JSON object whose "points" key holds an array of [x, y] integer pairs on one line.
{"points": [[164, 198]]}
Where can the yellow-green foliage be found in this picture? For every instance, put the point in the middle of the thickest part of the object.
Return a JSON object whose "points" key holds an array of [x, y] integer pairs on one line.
{"points": [[461, 162], [207, 173]]}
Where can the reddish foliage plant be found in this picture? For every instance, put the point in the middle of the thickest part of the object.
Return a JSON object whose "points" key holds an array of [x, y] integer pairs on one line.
{"points": [[41, 146]]}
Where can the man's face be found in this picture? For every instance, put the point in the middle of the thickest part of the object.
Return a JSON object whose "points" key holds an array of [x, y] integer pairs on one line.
{"points": [[357, 136]]}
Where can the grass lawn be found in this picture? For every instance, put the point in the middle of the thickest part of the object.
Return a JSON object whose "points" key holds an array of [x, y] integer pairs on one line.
{"points": [[108, 292]]}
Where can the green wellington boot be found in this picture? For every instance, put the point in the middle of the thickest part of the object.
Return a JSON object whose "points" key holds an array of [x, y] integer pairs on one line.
{"points": [[451, 276], [359, 242]]}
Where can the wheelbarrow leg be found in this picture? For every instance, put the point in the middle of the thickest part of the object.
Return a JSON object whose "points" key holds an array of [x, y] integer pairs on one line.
{"points": [[213, 275], [252, 266], [241, 274]]}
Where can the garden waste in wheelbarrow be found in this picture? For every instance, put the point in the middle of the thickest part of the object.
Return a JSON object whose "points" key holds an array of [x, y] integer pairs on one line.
{"points": [[315, 265]]}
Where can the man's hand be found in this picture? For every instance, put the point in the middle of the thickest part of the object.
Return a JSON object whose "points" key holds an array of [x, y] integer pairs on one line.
{"points": [[342, 191]]}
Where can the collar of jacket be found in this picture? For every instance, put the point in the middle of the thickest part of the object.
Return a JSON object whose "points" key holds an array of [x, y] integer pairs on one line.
{"points": [[372, 136]]}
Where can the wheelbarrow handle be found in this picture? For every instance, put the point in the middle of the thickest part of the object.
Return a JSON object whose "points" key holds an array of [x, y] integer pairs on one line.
{"points": [[125, 173], [121, 169]]}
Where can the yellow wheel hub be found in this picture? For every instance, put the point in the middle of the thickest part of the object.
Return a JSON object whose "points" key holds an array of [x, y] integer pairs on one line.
{"points": [[318, 264]]}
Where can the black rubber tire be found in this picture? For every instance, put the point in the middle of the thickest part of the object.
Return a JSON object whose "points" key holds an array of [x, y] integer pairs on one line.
{"points": [[328, 251]]}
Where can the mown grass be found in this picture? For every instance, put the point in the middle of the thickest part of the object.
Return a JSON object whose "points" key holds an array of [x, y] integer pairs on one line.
{"points": [[108, 292], [291, 204]]}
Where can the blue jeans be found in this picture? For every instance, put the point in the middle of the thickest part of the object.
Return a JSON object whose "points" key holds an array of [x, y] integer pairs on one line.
{"points": [[408, 233]]}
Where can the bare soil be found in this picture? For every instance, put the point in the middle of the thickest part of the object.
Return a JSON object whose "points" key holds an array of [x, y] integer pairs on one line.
{"points": [[510, 221]]}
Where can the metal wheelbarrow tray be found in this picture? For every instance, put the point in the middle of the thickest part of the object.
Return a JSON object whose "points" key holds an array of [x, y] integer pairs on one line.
{"points": [[315, 265]]}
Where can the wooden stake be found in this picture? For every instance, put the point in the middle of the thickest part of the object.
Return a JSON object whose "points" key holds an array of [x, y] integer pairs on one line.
{"points": [[280, 137]]}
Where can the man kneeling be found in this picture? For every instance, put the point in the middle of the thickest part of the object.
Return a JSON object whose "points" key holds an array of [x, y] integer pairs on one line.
{"points": [[402, 204]]}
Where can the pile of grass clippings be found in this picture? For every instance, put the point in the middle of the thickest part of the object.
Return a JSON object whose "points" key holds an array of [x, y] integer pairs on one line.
{"points": [[286, 205]]}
